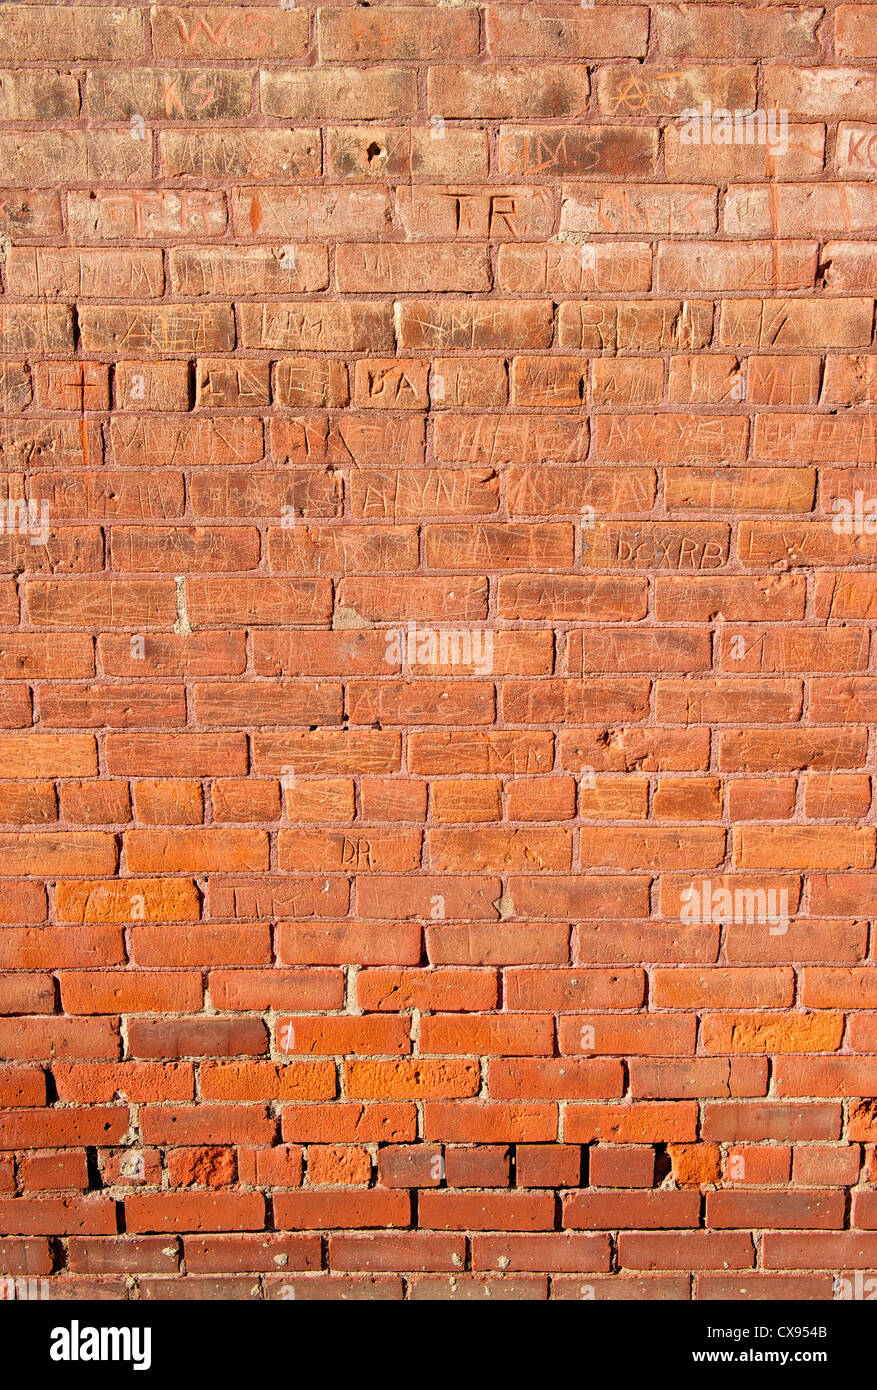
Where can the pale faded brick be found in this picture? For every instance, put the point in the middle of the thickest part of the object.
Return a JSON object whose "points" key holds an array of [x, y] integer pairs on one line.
{"points": [[47, 273], [38, 96], [822, 91], [72, 32], [72, 156], [239, 154], [144, 214], [645, 208], [157, 331], [315, 326], [225, 271], [311, 214], [399, 152], [338, 93], [557, 31], [218, 31], [167, 94], [511, 91], [504, 213], [738, 31], [393, 267], [634, 89], [473, 325]]}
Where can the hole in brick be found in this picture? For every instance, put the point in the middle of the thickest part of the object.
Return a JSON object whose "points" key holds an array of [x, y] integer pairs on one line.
{"points": [[663, 1165]]}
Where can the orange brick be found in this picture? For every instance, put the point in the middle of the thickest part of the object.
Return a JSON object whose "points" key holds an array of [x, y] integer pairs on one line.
{"points": [[357, 767]]}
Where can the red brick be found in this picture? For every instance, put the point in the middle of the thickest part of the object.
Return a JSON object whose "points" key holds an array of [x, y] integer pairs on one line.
{"points": [[415, 1251], [511, 1211], [207, 1211], [622, 1210], [621, 1165], [346, 1209], [53, 1172], [686, 1250], [56, 1216], [393, 935], [553, 1252]]}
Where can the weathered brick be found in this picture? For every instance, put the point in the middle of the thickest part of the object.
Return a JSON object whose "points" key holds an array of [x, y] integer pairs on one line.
{"points": [[77, 32], [338, 93], [436, 494]]}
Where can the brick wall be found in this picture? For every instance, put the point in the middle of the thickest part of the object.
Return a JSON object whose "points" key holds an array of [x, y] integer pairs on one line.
{"points": [[438, 555]]}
